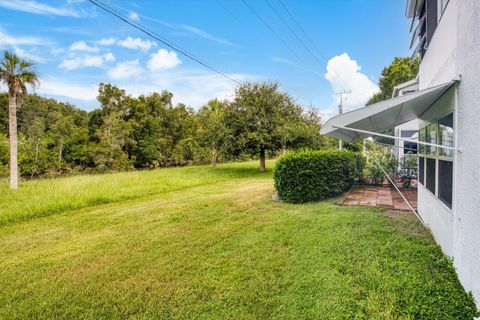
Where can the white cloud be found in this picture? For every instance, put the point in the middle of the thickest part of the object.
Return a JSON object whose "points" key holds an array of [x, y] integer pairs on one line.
{"points": [[134, 16], [126, 70], [96, 61], [109, 57], [193, 88], [136, 43], [162, 22], [32, 6], [15, 42], [204, 34], [83, 46], [343, 73], [284, 61], [61, 88], [6, 39], [106, 41], [163, 59], [28, 55], [80, 62], [57, 51]]}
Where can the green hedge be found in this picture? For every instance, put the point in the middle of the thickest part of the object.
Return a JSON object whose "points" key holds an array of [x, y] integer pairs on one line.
{"points": [[304, 176]]}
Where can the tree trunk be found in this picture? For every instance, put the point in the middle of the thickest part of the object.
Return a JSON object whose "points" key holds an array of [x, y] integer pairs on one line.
{"points": [[12, 132], [262, 159], [284, 150], [214, 158], [60, 150]]}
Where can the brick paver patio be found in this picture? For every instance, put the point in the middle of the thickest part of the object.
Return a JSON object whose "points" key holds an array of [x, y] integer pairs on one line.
{"points": [[379, 196]]}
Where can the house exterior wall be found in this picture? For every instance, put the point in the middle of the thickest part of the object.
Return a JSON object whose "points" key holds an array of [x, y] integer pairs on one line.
{"points": [[438, 64], [438, 217], [455, 50], [467, 180]]}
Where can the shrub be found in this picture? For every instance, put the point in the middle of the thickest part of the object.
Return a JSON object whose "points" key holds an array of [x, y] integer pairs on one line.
{"points": [[304, 176], [372, 173]]}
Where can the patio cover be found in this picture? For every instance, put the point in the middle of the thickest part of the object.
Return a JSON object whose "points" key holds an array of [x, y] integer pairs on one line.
{"points": [[383, 115]]}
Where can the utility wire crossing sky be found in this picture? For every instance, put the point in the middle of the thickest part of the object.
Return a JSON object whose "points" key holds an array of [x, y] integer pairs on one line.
{"points": [[200, 50]]}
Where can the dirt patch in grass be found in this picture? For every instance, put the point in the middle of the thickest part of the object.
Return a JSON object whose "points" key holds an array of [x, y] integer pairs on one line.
{"points": [[253, 192], [407, 222]]}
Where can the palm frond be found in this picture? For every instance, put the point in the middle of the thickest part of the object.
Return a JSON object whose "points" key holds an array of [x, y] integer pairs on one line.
{"points": [[29, 77], [11, 59], [17, 73], [25, 64]]}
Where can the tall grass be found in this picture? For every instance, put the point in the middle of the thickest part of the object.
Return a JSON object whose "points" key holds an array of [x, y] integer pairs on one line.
{"points": [[37, 198]]}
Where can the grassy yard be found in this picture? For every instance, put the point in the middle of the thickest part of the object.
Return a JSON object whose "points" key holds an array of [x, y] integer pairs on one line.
{"points": [[212, 244], [49, 196]]}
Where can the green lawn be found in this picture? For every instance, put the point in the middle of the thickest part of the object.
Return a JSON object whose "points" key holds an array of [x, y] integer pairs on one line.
{"points": [[49, 196], [212, 244]]}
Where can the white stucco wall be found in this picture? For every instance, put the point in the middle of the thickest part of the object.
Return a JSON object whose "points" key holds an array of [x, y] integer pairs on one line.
{"points": [[439, 219], [467, 195], [438, 64], [455, 50]]}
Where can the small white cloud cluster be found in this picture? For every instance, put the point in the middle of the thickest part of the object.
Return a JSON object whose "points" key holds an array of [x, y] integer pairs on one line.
{"points": [[129, 43], [132, 70], [76, 61], [83, 46], [134, 16], [152, 69], [106, 41], [163, 59], [136, 44], [126, 70], [87, 61]]}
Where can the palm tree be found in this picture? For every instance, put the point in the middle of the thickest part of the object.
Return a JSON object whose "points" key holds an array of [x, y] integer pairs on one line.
{"points": [[17, 74]]}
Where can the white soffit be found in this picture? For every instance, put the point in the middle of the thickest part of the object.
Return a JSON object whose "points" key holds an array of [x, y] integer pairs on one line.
{"points": [[383, 115]]}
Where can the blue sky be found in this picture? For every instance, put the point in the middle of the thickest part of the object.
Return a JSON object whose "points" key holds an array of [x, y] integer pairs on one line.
{"points": [[76, 46]]}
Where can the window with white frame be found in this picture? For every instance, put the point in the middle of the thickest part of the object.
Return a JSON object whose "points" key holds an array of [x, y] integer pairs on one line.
{"points": [[436, 164]]}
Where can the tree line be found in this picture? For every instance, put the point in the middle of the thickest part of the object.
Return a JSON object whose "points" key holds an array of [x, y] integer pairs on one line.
{"points": [[149, 131]]}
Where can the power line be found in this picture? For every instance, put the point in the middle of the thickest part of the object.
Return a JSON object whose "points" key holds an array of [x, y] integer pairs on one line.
{"points": [[292, 31], [272, 30], [157, 37], [303, 31], [246, 27], [228, 11]]}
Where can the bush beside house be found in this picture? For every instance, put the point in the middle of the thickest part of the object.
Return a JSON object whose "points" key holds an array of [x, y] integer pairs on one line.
{"points": [[305, 176]]}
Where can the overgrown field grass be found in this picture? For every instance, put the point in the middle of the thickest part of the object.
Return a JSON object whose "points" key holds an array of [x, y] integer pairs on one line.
{"points": [[220, 249], [44, 197]]}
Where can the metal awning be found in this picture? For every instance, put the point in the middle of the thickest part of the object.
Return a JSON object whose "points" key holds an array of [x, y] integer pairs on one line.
{"points": [[383, 115]]}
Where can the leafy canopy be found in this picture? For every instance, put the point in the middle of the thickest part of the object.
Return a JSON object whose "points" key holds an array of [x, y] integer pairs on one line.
{"points": [[399, 71]]}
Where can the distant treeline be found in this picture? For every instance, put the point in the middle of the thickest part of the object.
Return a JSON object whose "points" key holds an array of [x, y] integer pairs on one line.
{"points": [[149, 131]]}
